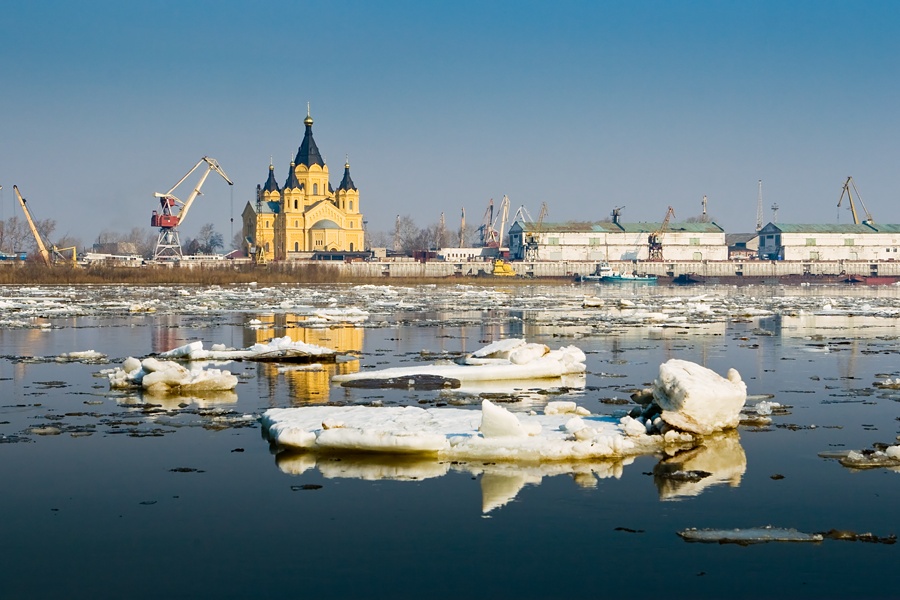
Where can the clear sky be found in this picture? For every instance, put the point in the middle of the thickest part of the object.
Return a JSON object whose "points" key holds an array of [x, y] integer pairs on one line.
{"points": [[584, 105]]}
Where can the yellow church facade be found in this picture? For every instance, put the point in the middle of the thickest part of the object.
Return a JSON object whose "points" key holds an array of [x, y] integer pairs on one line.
{"points": [[305, 215]]}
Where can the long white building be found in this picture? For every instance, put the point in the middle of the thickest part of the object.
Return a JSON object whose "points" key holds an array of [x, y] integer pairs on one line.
{"points": [[610, 241], [865, 242]]}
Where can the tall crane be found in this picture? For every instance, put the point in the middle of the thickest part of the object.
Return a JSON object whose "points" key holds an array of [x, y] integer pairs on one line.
{"points": [[502, 216], [532, 241], [42, 248], [168, 245], [654, 241], [846, 190], [485, 230]]}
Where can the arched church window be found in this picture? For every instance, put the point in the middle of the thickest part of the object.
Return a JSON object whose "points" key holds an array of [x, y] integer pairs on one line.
{"points": [[351, 206], [295, 205], [315, 189], [351, 246], [296, 246]]}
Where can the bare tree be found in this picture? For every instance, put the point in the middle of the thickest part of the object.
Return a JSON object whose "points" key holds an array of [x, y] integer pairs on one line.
{"points": [[16, 236]]}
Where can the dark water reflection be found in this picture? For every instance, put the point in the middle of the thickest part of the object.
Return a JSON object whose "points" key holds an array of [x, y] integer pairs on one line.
{"points": [[182, 497]]}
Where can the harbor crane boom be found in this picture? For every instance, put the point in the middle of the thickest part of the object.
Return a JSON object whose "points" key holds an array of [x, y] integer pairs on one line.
{"points": [[42, 248], [846, 190], [168, 244], [654, 241]]}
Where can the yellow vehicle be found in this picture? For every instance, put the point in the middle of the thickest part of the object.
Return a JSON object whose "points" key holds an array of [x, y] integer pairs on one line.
{"points": [[503, 268]]}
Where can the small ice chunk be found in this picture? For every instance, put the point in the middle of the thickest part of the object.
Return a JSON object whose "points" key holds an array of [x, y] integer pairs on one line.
{"points": [[560, 407], [497, 422], [632, 426]]}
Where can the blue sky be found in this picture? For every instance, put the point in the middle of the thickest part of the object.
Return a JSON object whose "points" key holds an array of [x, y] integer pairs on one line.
{"points": [[439, 106]]}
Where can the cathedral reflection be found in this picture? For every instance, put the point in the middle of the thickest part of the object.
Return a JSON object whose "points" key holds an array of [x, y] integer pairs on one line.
{"points": [[307, 384]]}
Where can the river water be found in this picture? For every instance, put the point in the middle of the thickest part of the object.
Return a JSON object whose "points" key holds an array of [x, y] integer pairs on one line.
{"points": [[118, 494]]}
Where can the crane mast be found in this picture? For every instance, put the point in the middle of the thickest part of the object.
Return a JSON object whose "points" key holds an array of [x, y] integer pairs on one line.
{"points": [[42, 248], [168, 243], [654, 241], [846, 191]]}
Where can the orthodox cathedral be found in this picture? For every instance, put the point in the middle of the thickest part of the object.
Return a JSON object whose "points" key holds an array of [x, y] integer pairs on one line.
{"points": [[305, 215]]}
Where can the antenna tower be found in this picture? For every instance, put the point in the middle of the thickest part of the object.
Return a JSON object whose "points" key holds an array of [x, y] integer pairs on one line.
{"points": [[775, 213], [759, 210]]}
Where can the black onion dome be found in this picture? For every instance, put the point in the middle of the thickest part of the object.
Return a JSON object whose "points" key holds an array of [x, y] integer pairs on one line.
{"points": [[346, 182], [271, 184]]}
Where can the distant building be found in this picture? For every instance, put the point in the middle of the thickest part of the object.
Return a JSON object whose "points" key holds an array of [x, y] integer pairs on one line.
{"points": [[611, 241], [868, 242], [306, 215], [742, 246]]}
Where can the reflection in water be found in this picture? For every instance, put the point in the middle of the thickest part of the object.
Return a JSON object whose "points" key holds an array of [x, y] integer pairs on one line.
{"points": [[175, 401], [722, 456], [341, 338], [310, 384], [500, 482]]}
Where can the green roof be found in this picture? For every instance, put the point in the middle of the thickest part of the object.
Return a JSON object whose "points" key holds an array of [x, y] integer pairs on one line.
{"points": [[610, 227], [826, 228]]}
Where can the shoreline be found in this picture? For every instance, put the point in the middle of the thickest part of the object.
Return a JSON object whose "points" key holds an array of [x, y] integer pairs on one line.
{"points": [[434, 272]]}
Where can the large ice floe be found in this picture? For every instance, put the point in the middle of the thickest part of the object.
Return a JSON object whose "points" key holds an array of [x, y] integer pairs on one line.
{"points": [[166, 377], [512, 359], [282, 349], [693, 396]]}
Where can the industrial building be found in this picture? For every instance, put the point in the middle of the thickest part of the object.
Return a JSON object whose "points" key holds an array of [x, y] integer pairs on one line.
{"points": [[615, 241], [305, 215], [865, 241]]}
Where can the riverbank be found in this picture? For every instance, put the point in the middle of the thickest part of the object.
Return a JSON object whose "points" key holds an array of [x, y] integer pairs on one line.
{"points": [[438, 272]]}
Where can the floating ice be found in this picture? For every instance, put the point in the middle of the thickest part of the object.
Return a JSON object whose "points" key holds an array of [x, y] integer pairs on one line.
{"points": [[755, 535], [82, 356], [512, 359], [696, 399], [161, 377], [282, 349], [460, 434]]}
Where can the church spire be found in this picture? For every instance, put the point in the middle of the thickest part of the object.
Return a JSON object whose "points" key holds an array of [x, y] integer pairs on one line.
{"points": [[308, 154], [271, 185], [292, 183], [346, 182]]}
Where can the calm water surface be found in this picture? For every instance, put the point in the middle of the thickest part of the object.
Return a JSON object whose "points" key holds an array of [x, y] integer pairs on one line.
{"points": [[130, 500]]}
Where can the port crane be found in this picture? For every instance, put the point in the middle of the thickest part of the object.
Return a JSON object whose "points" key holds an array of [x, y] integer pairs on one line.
{"points": [[532, 243], [846, 191], [491, 235], [654, 241], [168, 244], [41, 246]]}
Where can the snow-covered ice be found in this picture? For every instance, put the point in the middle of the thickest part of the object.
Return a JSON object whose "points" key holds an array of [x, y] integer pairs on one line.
{"points": [[694, 398], [282, 349], [162, 377], [512, 359]]}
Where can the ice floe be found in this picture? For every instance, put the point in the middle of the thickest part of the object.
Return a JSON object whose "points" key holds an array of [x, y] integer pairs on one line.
{"points": [[282, 349], [162, 377], [512, 359], [753, 535], [696, 399], [493, 433]]}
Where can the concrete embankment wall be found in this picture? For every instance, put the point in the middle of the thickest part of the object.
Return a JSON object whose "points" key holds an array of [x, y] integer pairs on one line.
{"points": [[750, 269]]}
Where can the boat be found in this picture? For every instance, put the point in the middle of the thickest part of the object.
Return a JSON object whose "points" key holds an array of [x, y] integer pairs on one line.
{"points": [[602, 270], [627, 278], [872, 279]]}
